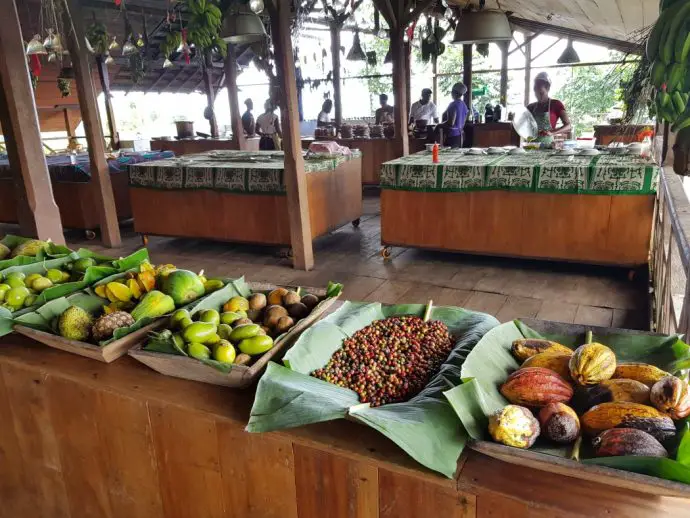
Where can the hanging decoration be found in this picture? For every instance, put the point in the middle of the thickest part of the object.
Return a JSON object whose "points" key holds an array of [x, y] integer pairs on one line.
{"points": [[356, 53], [98, 38], [129, 48], [65, 86], [109, 59], [114, 45], [167, 63], [432, 45], [257, 6], [35, 46]]}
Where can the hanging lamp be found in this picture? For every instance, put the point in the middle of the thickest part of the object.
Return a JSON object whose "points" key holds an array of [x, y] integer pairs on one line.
{"points": [[356, 53], [569, 54], [242, 27], [484, 26]]}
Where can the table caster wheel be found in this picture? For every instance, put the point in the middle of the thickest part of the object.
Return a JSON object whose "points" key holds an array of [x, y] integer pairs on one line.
{"points": [[90, 235], [355, 223], [386, 252], [145, 240]]}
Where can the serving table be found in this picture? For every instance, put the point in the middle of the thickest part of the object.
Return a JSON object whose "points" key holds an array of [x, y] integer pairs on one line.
{"points": [[240, 196], [200, 145], [82, 438], [593, 209]]}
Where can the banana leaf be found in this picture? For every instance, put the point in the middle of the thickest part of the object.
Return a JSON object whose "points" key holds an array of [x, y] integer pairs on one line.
{"points": [[490, 363], [425, 426], [11, 241], [43, 317]]}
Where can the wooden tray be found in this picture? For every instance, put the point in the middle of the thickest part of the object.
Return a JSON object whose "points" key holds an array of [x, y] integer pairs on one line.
{"points": [[570, 468], [107, 353], [240, 376]]}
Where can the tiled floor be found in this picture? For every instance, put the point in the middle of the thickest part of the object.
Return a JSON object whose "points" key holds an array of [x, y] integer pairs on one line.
{"points": [[506, 288]]}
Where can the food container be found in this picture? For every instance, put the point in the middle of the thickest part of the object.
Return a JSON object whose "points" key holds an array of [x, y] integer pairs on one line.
{"points": [[185, 129], [586, 142]]}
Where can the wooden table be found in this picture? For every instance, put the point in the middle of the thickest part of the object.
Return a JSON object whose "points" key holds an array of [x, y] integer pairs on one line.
{"points": [[534, 205], [241, 203], [201, 145], [491, 134], [608, 133], [84, 439]]}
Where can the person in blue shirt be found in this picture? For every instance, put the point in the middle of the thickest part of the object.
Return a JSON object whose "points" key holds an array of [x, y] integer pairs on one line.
{"points": [[456, 115]]}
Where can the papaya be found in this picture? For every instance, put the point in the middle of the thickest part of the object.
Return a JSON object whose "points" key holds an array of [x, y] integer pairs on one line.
{"points": [[183, 286], [152, 305]]}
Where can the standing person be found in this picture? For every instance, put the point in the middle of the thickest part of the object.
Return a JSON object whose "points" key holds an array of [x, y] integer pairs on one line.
{"points": [[248, 119], [384, 114], [547, 111], [268, 127], [324, 118], [456, 116], [424, 109]]}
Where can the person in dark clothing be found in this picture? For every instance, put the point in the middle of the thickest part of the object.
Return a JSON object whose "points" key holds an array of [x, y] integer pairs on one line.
{"points": [[248, 119], [456, 115], [384, 115]]}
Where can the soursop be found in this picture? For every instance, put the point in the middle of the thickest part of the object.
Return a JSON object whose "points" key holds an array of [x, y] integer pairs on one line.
{"points": [[30, 248], [75, 324]]}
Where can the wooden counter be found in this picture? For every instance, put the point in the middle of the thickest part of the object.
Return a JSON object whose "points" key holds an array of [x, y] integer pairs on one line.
{"points": [[607, 133], [189, 147], [83, 439], [492, 134]]}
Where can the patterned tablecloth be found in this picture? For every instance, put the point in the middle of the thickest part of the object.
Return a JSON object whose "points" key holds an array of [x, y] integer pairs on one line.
{"points": [[535, 171], [256, 172]]}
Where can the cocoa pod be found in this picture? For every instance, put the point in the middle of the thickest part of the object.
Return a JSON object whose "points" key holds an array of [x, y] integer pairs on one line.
{"points": [[592, 364], [618, 442], [642, 372], [536, 387], [611, 415], [524, 348], [514, 426], [614, 390], [559, 423], [557, 362], [672, 396]]}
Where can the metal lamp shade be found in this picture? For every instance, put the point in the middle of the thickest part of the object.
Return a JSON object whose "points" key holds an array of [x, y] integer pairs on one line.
{"points": [[482, 27], [242, 28], [356, 53], [569, 54]]}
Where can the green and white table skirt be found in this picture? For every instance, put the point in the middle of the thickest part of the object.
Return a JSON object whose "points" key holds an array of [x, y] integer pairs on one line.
{"points": [[243, 172], [536, 171]]}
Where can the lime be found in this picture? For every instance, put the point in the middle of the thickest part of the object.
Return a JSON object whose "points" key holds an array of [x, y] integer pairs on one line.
{"points": [[198, 351], [40, 284], [4, 288], [224, 352], [16, 296], [56, 276]]}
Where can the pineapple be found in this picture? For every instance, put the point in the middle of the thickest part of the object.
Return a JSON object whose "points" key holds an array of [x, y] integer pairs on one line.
{"points": [[106, 325]]}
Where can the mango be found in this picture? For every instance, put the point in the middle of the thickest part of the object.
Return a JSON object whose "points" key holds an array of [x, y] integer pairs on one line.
{"points": [[199, 351], [199, 332], [256, 345], [224, 331], [224, 352], [209, 315], [228, 317], [213, 285], [236, 303], [245, 331]]}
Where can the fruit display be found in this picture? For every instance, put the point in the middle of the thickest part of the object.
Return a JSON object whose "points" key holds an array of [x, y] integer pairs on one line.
{"points": [[390, 360], [621, 416], [28, 248]]}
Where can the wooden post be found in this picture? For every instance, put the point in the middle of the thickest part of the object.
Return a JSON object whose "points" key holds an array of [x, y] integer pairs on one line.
{"points": [[467, 74], [231, 85], [434, 79], [37, 212], [337, 84], [408, 76], [110, 113], [528, 69], [295, 177], [504, 72], [400, 91], [68, 122], [100, 175], [210, 93]]}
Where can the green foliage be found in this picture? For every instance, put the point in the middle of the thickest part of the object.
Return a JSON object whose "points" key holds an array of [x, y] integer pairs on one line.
{"points": [[377, 85]]}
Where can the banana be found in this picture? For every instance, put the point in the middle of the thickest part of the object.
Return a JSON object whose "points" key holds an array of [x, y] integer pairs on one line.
{"points": [[678, 102], [678, 15], [654, 39], [676, 77], [658, 73], [682, 122], [682, 48]]}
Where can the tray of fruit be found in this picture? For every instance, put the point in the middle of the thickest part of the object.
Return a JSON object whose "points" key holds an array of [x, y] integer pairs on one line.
{"points": [[600, 404], [18, 251], [379, 365], [228, 338], [104, 322]]}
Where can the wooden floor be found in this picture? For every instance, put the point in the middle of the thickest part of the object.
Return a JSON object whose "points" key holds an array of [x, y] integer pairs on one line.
{"points": [[506, 288]]}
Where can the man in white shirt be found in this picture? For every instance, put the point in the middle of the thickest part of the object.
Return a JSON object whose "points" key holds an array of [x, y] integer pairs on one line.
{"points": [[424, 109]]}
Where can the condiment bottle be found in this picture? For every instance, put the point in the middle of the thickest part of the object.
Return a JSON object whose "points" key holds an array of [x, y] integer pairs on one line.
{"points": [[434, 153]]}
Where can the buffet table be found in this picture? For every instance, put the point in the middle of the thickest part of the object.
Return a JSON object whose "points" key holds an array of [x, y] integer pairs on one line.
{"points": [[83, 438], [539, 205], [240, 196], [72, 188], [200, 145]]}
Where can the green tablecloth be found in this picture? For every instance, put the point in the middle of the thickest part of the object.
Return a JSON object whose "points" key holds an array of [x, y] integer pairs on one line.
{"points": [[535, 171], [255, 172]]}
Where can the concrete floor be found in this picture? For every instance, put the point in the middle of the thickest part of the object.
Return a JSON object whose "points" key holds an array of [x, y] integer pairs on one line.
{"points": [[505, 288]]}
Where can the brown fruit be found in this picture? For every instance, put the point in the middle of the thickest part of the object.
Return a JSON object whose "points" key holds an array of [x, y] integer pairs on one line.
{"points": [[514, 426], [557, 362], [241, 322], [627, 441], [622, 414], [618, 390], [276, 296], [672, 396], [290, 298], [642, 372], [255, 315], [272, 314], [242, 359], [257, 301], [592, 363], [559, 423], [298, 311], [283, 325], [265, 331], [311, 301], [535, 386], [527, 347]]}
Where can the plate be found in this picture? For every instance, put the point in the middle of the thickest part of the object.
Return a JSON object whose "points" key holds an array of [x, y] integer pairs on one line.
{"points": [[475, 151], [566, 152], [517, 151], [589, 152], [496, 151]]}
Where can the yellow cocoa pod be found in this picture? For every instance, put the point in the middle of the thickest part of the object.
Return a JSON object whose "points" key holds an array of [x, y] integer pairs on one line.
{"points": [[557, 362], [672, 395], [622, 414], [642, 372], [514, 426], [615, 390], [526, 347], [592, 363]]}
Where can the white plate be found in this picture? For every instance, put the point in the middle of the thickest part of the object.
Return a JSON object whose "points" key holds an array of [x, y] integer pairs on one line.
{"points": [[517, 151], [566, 152], [589, 152], [475, 151], [496, 151]]}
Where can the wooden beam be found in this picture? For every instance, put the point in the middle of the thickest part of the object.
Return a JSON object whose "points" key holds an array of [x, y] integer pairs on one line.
{"points": [[100, 175], [386, 9], [158, 79], [407, 46], [210, 94], [334, 27], [528, 39], [434, 79], [467, 74], [528, 71], [534, 58], [401, 113], [109, 112], [231, 85], [295, 177], [504, 73], [172, 80], [68, 122], [37, 212], [190, 77]]}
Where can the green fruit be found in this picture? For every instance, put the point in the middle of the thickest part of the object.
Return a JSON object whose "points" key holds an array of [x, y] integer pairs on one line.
{"points": [[30, 248], [183, 286], [658, 73], [29, 279], [678, 16], [213, 285], [75, 324], [179, 341], [177, 317], [15, 282], [65, 277], [154, 304], [30, 301], [80, 265], [237, 304], [214, 339], [224, 331], [676, 77], [4, 288], [16, 296], [245, 331], [199, 332], [230, 316], [185, 322], [256, 345], [209, 315], [224, 352], [40, 284], [4, 251], [199, 351], [56, 276]]}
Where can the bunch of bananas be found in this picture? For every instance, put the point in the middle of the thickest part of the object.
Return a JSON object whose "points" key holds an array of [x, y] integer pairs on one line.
{"points": [[204, 24], [668, 50]]}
